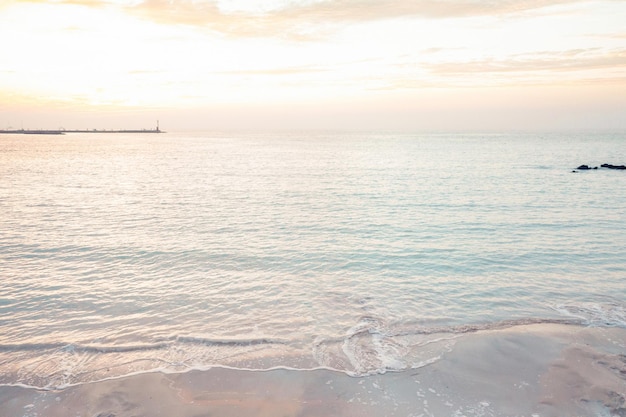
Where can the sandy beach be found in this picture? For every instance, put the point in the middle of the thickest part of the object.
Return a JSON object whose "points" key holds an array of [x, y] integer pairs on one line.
{"points": [[531, 370]]}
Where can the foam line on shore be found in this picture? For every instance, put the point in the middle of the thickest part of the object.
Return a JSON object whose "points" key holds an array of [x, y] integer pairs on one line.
{"points": [[537, 369], [370, 347]]}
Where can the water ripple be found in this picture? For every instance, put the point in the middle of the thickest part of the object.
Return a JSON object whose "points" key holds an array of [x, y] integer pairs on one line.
{"points": [[342, 250]]}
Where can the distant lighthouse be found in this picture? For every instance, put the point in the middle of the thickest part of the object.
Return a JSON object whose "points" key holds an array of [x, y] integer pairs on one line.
{"points": [[157, 128]]}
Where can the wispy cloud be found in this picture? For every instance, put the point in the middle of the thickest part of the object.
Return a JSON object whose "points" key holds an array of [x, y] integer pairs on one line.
{"points": [[276, 71], [571, 60], [86, 3], [574, 66], [297, 19], [305, 19], [618, 36]]}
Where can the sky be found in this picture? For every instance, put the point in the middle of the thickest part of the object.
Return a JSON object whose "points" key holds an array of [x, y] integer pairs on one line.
{"points": [[313, 64]]}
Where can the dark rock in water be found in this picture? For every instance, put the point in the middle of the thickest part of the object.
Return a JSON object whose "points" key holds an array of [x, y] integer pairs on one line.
{"points": [[585, 167], [613, 166]]}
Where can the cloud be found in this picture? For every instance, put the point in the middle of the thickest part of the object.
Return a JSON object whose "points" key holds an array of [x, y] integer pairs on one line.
{"points": [[618, 36], [570, 60], [593, 66], [304, 20], [276, 71], [86, 3], [363, 10]]}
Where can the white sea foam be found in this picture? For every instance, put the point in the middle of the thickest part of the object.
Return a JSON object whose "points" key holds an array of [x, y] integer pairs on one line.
{"points": [[595, 314]]}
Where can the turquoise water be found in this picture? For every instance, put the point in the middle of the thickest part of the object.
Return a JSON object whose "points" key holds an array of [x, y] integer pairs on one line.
{"points": [[359, 252]]}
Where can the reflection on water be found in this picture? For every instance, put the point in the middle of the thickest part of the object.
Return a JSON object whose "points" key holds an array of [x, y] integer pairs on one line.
{"points": [[111, 243]]}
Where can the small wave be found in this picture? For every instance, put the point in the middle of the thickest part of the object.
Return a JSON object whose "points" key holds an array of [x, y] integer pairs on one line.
{"points": [[497, 325], [77, 348], [30, 346], [374, 346], [595, 314], [116, 349], [71, 347], [59, 365], [369, 324], [229, 342]]}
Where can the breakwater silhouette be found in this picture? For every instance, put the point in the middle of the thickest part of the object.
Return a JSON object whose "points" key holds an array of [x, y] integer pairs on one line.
{"points": [[64, 131]]}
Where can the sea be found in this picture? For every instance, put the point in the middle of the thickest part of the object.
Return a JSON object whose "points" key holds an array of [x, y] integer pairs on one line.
{"points": [[359, 252]]}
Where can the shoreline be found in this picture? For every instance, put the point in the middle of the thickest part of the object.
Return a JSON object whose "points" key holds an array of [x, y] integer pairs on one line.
{"points": [[536, 369]]}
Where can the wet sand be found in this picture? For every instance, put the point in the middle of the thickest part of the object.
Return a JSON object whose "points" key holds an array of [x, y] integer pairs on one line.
{"points": [[532, 370]]}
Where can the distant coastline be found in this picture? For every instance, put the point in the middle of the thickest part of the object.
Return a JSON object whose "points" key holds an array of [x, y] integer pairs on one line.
{"points": [[64, 131]]}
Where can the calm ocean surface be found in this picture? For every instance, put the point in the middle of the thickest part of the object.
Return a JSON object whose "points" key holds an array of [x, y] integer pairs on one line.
{"points": [[356, 252]]}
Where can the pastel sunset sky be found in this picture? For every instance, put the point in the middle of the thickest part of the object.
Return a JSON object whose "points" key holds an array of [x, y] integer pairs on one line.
{"points": [[346, 64]]}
